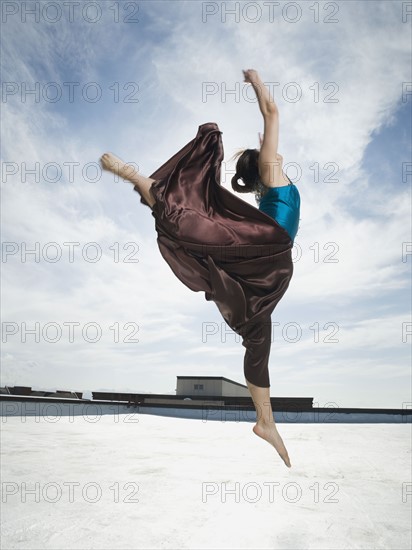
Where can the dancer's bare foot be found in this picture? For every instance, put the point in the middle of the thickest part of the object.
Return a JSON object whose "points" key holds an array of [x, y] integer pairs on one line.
{"points": [[114, 164], [128, 172], [271, 435]]}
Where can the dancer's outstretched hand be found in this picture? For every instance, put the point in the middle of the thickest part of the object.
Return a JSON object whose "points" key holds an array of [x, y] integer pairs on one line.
{"points": [[250, 74]]}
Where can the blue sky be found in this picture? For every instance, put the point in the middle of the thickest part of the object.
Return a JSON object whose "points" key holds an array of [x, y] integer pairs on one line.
{"points": [[167, 58]]}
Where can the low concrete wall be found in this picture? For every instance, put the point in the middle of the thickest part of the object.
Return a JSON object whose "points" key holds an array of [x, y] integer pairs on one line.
{"points": [[51, 409]]}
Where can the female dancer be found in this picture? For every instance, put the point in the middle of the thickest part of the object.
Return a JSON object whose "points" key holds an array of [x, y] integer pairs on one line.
{"points": [[215, 242]]}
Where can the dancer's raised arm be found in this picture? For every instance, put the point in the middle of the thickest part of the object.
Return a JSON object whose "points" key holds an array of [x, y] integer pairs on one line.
{"points": [[267, 104], [269, 162]]}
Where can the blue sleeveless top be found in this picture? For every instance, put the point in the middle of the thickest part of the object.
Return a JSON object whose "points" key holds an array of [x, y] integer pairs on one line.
{"points": [[283, 205]]}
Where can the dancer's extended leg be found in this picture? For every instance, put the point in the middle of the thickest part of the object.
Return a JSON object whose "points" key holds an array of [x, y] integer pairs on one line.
{"points": [[126, 171], [265, 426], [257, 341]]}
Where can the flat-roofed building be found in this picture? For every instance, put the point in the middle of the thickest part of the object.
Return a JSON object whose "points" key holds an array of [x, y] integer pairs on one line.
{"points": [[213, 386]]}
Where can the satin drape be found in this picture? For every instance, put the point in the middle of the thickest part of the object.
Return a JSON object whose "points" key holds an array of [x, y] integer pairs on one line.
{"points": [[217, 243]]}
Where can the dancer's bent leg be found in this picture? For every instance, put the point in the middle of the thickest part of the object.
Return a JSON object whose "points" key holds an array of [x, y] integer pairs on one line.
{"points": [[126, 171]]}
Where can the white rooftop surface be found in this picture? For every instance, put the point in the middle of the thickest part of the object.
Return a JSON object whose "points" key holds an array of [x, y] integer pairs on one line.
{"points": [[158, 482]]}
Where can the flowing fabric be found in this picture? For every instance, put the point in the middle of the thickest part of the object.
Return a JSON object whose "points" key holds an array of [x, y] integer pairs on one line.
{"points": [[218, 243]]}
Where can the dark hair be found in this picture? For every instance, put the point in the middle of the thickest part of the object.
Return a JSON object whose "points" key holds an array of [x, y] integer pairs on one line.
{"points": [[247, 170]]}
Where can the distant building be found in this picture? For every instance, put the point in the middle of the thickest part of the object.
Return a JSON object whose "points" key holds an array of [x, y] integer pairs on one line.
{"points": [[208, 386], [27, 390]]}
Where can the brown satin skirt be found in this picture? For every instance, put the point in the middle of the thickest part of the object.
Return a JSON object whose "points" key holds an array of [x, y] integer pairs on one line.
{"points": [[217, 243]]}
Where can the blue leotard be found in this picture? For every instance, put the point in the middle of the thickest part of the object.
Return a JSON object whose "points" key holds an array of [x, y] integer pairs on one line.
{"points": [[283, 205]]}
